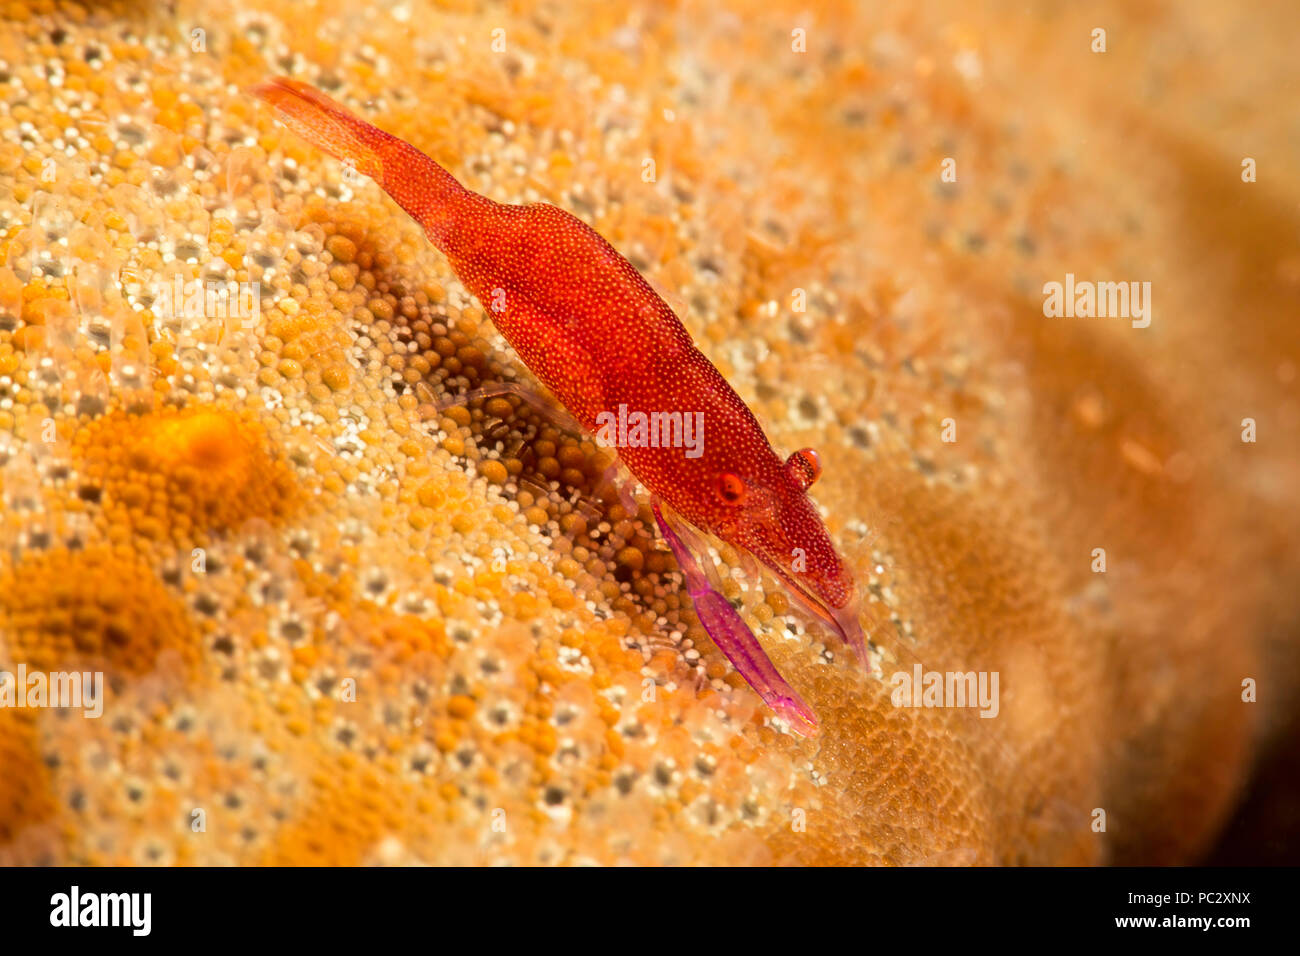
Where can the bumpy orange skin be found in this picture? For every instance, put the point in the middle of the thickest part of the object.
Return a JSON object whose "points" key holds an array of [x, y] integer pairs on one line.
{"points": [[599, 337]]}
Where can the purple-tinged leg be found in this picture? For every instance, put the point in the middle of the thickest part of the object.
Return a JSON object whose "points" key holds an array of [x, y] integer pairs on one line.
{"points": [[729, 631], [846, 619]]}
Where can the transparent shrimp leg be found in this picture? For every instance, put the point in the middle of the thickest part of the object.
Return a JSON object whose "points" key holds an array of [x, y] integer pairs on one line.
{"points": [[542, 403], [734, 638], [558, 416], [613, 476]]}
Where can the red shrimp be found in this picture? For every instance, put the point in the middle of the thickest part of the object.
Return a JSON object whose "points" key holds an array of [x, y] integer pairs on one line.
{"points": [[612, 352]]}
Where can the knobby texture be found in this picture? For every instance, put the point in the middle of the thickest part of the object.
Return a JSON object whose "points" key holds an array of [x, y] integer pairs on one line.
{"points": [[350, 627]]}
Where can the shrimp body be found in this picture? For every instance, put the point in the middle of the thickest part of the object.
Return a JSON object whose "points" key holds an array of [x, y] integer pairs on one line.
{"points": [[609, 348]]}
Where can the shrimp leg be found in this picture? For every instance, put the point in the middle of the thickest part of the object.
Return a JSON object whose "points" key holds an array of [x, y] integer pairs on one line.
{"points": [[544, 404], [734, 638]]}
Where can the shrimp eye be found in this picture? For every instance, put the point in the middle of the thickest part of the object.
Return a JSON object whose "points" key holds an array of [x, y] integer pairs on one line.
{"points": [[731, 488], [805, 467]]}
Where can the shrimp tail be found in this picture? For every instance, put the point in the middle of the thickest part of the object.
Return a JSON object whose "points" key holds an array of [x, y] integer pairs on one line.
{"points": [[428, 193]]}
